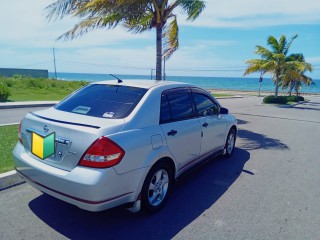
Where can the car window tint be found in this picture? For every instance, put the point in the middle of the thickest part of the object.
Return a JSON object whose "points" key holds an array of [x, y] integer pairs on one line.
{"points": [[205, 106], [180, 106], [165, 113], [104, 101]]}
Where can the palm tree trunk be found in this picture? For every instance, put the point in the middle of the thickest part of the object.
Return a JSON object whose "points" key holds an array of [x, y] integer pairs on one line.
{"points": [[292, 84], [277, 86], [159, 53]]}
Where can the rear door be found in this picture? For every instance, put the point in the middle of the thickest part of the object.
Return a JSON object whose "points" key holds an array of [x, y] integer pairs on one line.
{"points": [[180, 126]]}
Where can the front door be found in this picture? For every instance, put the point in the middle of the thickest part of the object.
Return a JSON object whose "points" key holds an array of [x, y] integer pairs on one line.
{"points": [[212, 123]]}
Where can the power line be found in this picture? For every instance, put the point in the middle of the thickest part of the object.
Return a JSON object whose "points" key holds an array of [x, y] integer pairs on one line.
{"points": [[207, 70], [104, 65], [34, 64], [316, 67], [233, 69]]}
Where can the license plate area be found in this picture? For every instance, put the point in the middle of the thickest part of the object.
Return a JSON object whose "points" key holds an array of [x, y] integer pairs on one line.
{"points": [[43, 146], [48, 146]]}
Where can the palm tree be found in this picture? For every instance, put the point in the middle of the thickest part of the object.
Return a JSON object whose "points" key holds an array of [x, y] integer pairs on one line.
{"points": [[294, 78], [274, 61], [136, 16]]}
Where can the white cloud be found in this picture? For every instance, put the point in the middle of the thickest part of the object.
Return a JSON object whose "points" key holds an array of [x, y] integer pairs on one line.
{"points": [[314, 60], [254, 13], [104, 60], [30, 28], [27, 37], [203, 44]]}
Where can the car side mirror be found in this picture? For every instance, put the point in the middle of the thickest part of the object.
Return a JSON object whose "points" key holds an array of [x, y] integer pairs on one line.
{"points": [[224, 110]]}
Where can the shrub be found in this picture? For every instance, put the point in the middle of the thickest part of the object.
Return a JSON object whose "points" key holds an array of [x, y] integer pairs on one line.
{"points": [[4, 93], [54, 85], [8, 82], [35, 83], [18, 77], [274, 99], [295, 98]]}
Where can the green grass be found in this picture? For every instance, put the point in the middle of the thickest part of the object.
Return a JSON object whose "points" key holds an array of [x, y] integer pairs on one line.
{"points": [[24, 88], [8, 139]]}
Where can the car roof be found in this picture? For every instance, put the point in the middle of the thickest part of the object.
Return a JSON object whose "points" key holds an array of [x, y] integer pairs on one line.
{"points": [[147, 84]]}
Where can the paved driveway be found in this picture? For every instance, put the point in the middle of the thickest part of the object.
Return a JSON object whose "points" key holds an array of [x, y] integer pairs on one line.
{"points": [[269, 189], [15, 115]]}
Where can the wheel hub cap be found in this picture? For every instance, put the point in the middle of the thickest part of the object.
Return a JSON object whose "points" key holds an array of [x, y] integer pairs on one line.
{"points": [[158, 187]]}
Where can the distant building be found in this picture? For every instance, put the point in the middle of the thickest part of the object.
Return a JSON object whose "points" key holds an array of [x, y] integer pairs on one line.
{"points": [[36, 73]]}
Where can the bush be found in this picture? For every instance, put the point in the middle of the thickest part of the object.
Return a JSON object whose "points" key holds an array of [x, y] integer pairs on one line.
{"points": [[295, 98], [35, 83], [4, 93], [8, 83], [18, 77], [274, 99]]}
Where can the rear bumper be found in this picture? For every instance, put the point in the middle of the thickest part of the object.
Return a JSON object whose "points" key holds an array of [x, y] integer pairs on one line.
{"points": [[88, 188]]}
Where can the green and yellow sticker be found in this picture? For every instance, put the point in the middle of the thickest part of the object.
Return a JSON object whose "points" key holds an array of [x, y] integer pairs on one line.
{"points": [[43, 146]]}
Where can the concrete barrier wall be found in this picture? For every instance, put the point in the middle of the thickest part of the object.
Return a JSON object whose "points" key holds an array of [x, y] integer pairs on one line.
{"points": [[36, 73]]}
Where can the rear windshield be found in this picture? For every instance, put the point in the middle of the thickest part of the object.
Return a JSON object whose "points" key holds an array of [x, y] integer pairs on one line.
{"points": [[103, 101]]}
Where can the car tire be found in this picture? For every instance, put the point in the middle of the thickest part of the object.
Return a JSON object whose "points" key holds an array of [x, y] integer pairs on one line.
{"points": [[156, 187], [230, 143]]}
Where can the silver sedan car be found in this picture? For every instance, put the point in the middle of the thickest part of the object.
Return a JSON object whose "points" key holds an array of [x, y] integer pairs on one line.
{"points": [[125, 142]]}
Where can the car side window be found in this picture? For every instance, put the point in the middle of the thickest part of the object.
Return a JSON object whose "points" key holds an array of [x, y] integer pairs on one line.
{"points": [[165, 113], [176, 107], [205, 106]]}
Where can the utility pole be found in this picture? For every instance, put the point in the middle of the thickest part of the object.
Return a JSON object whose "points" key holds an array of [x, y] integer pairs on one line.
{"points": [[54, 62], [152, 73], [260, 81]]}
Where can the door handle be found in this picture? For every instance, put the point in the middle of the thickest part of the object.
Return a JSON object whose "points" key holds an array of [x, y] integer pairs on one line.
{"points": [[172, 133], [205, 124]]}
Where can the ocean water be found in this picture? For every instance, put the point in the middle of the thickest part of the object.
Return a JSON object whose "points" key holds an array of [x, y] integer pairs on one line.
{"points": [[223, 83]]}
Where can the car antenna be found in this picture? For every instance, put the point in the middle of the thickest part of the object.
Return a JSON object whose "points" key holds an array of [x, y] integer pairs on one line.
{"points": [[119, 80]]}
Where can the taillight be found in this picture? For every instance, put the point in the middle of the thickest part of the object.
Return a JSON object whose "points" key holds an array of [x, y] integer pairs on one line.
{"points": [[19, 132], [103, 153]]}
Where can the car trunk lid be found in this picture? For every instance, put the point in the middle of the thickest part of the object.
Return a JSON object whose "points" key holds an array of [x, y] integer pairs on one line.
{"points": [[61, 143]]}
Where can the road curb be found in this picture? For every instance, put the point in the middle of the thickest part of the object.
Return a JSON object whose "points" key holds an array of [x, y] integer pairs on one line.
{"points": [[226, 97], [10, 179], [26, 105]]}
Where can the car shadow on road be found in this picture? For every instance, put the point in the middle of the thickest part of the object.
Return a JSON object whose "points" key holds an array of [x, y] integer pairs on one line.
{"points": [[252, 140], [192, 195]]}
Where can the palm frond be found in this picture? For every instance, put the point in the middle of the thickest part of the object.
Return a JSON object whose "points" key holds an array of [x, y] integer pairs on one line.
{"points": [[61, 8], [171, 38], [193, 8], [286, 50], [141, 24], [273, 43], [282, 44], [255, 65], [90, 24], [263, 52]]}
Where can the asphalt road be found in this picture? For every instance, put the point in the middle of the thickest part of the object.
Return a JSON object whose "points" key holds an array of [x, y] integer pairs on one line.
{"points": [[14, 115], [269, 189]]}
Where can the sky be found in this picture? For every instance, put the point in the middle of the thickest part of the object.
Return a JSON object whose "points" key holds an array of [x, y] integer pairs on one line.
{"points": [[216, 44]]}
